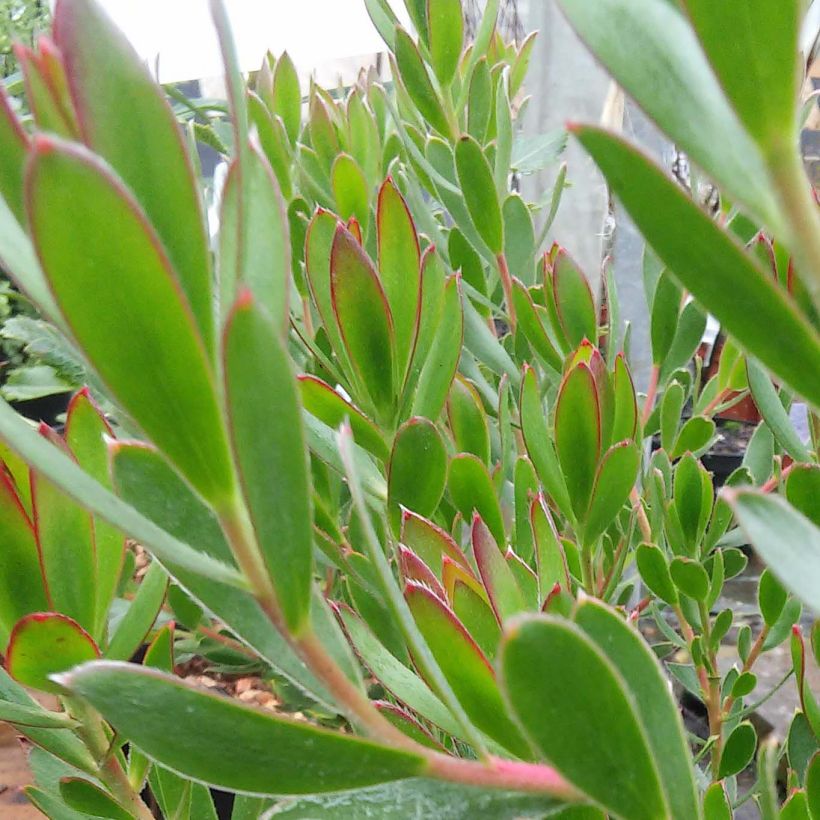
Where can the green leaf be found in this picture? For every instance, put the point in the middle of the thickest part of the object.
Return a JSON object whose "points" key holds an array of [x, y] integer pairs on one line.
{"points": [[503, 590], [563, 690], [34, 716], [395, 676], [430, 542], [480, 101], [14, 143], [468, 421], [418, 469], [716, 803], [271, 457], [689, 332], [654, 571], [573, 300], [519, 231], [472, 490], [664, 322], [44, 644], [85, 430], [532, 154], [287, 96], [614, 481], [649, 687], [690, 578], [142, 612], [384, 19], [273, 140], [651, 51], [254, 240], [322, 401], [758, 65], [165, 382], [771, 408], [364, 318], [445, 26], [786, 540], [417, 82], [125, 118], [83, 796], [478, 188], [578, 434], [743, 298], [694, 437], [813, 786], [771, 597], [268, 754], [21, 582], [399, 268], [64, 745], [529, 323], [145, 480], [466, 668], [539, 443], [739, 750], [350, 189], [803, 490], [65, 542], [422, 798], [625, 417]]}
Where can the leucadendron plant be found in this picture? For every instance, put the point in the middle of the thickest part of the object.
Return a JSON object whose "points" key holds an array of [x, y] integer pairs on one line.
{"points": [[390, 443]]}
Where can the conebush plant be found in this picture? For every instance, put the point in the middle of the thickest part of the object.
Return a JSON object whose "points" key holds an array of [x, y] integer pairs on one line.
{"points": [[385, 446]]}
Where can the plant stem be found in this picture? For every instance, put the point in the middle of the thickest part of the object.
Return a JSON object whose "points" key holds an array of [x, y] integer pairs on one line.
{"points": [[651, 393], [643, 521], [801, 211], [506, 284], [347, 694], [503, 774], [91, 731]]}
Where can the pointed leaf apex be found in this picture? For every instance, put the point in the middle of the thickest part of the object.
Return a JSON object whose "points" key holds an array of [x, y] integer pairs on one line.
{"points": [[797, 631], [572, 126], [244, 300]]}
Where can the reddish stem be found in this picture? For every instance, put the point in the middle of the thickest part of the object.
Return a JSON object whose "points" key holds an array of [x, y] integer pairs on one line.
{"points": [[506, 285], [503, 774], [651, 393]]}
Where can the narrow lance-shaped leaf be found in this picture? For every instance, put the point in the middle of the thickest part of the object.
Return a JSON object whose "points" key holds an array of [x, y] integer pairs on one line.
{"points": [[787, 540], [364, 318], [614, 480], [125, 118], [14, 143], [135, 625], [254, 242], [578, 434], [650, 49], [271, 457], [573, 300], [399, 268], [445, 26], [417, 82], [22, 587], [758, 65], [478, 188], [322, 401], [745, 300], [164, 382], [465, 667], [499, 581], [85, 430], [287, 96], [65, 541], [438, 370], [270, 755], [472, 490]]}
